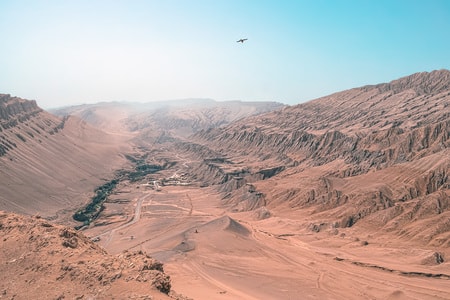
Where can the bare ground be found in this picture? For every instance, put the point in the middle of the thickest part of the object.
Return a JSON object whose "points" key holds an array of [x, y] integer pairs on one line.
{"points": [[213, 253]]}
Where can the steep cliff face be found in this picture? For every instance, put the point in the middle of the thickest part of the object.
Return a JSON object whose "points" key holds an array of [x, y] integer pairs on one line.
{"points": [[355, 154], [16, 108], [47, 163], [20, 121]]}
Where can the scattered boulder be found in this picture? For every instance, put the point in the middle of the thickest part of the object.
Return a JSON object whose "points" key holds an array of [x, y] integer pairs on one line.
{"points": [[262, 213], [434, 258], [317, 227]]}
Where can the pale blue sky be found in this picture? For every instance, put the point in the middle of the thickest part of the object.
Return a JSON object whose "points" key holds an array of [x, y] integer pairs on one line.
{"points": [[68, 52]]}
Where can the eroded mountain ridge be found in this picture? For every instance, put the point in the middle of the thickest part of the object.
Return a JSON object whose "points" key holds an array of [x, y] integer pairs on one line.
{"points": [[371, 161], [379, 153]]}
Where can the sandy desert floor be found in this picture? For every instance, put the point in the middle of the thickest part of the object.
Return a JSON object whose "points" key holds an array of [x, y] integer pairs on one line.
{"points": [[212, 253]]}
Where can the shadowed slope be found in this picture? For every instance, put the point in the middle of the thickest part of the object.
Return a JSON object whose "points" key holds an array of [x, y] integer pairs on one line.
{"points": [[48, 164]]}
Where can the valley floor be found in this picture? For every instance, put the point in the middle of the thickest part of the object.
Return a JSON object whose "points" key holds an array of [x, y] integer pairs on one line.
{"points": [[212, 253]]}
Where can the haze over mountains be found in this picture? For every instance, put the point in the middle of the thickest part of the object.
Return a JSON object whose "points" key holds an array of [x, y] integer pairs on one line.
{"points": [[351, 190], [177, 117]]}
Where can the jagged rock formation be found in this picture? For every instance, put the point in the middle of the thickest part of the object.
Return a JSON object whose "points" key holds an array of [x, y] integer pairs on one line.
{"points": [[378, 154], [16, 108], [47, 261], [16, 111], [49, 164]]}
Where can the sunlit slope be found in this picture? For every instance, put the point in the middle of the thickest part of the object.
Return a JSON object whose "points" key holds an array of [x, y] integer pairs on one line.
{"points": [[376, 156]]}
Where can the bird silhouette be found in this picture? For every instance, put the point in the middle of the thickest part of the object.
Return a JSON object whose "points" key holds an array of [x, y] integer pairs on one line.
{"points": [[241, 41]]}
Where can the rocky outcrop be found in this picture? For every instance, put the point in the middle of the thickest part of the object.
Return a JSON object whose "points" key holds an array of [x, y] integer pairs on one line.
{"points": [[19, 122], [16, 108], [36, 253]]}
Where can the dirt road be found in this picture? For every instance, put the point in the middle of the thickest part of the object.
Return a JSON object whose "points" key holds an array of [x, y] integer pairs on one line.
{"points": [[211, 253]]}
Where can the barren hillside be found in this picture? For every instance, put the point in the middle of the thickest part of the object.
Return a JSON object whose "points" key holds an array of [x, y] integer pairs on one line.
{"points": [[343, 197], [49, 164], [376, 155]]}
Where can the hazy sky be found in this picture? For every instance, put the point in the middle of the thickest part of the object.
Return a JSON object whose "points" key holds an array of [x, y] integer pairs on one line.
{"points": [[70, 52]]}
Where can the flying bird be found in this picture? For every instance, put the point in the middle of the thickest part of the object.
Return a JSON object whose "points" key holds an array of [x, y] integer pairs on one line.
{"points": [[241, 41]]}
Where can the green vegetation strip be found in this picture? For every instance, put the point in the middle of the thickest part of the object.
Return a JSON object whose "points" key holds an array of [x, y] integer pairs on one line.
{"points": [[95, 207]]}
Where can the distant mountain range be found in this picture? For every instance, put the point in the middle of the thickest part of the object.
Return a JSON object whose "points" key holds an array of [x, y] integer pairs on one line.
{"points": [[177, 117]]}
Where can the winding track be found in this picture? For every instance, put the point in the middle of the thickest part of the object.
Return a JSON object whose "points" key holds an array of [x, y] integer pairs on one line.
{"points": [[307, 267], [136, 218]]}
